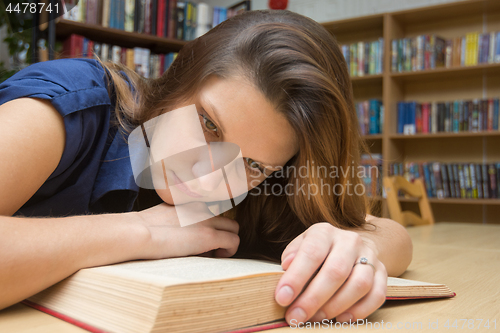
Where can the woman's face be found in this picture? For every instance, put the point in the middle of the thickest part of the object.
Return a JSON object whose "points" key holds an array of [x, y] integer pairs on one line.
{"points": [[233, 110]]}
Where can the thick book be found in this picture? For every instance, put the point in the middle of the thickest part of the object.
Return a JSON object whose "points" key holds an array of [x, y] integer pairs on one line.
{"points": [[191, 294]]}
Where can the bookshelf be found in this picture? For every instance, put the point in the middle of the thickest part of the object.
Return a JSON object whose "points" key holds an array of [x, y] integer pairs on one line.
{"points": [[441, 84], [64, 28]]}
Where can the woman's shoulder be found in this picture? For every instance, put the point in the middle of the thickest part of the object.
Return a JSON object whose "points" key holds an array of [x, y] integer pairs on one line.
{"points": [[71, 84], [68, 72]]}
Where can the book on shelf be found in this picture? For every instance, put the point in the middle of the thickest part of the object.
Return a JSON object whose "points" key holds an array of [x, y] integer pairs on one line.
{"points": [[431, 51], [191, 294], [453, 180], [450, 117], [184, 20], [139, 59], [371, 173], [364, 58], [370, 116]]}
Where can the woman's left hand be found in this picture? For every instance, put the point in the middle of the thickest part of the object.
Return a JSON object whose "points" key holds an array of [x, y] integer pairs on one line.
{"points": [[338, 289]]}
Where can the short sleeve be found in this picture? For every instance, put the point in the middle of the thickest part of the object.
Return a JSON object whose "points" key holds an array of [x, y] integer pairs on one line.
{"points": [[71, 85]]}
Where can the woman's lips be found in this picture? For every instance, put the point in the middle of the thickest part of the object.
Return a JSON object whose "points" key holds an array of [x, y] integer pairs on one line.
{"points": [[183, 187]]}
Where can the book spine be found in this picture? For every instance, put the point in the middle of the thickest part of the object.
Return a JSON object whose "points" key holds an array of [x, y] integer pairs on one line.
{"points": [[154, 16], [485, 177], [451, 180], [137, 14], [400, 117], [456, 178], [434, 117], [493, 180], [496, 117], [418, 118], [473, 181], [446, 184], [160, 18], [498, 179], [461, 178], [455, 116], [489, 126], [147, 17], [361, 58], [180, 20], [479, 181], [497, 47], [467, 181], [438, 183]]}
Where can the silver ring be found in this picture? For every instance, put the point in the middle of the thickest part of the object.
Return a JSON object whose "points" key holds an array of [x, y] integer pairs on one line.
{"points": [[364, 261]]}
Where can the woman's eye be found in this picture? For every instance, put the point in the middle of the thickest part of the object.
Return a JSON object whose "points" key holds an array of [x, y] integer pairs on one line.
{"points": [[254, 165], [209, 124]]}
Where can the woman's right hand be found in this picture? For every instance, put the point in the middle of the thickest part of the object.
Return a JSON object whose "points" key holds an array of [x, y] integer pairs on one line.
{"points": [[168, 239]]}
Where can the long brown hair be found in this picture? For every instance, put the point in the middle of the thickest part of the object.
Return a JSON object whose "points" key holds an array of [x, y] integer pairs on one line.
{"points": [[300, 69]]}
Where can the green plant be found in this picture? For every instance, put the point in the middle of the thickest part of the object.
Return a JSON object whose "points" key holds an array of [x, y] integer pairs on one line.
{"points": [[18, 40]]}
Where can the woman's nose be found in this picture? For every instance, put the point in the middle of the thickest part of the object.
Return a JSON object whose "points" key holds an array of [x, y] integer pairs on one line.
{"points": [[208, 179]]}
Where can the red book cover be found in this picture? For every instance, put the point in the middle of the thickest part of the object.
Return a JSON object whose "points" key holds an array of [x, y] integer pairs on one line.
{"points": [[72, 46], [90, 49], [160, 20], [172, 18], [418, 120], [490, 114], [425, 118], [93, 329]]}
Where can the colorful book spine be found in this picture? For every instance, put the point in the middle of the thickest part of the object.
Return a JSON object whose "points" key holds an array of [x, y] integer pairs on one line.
{"points": [[453, 180]]}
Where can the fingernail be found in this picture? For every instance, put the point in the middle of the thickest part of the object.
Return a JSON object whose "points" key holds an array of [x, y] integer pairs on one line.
{"points": [[345, 317], [284, 296], [298, 314]]}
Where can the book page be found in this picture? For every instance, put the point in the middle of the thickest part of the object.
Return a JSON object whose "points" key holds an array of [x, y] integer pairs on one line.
{"points": [[398, 282], [174, 271]]}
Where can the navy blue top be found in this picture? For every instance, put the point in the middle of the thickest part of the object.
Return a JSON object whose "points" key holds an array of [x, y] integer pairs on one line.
{"points": [[94, 174]]}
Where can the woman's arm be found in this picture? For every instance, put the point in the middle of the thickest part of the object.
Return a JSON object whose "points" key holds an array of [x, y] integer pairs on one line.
{"points": [[38, 252], [391, 243]]}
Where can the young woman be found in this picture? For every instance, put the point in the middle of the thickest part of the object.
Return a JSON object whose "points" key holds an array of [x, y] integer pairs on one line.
{"points": [[273, 82]]}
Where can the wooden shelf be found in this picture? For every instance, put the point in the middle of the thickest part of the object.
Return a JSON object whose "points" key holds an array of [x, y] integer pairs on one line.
{"points": [[353, 25], [355, 29], [457, 201], [447, 73], [444, 135], [112, 36], [368, 79], [373, 137], [446, 11]]}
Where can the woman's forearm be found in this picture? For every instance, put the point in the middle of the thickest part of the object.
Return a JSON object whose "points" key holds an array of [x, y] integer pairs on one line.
{"points": [[391, 242], [36, 253]]}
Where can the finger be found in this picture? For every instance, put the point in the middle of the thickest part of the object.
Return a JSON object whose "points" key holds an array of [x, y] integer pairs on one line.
{"points": [[371, 302], [288, 260], [332, 275], [310, 255], [206, 238], [290, 249], [357, 285], [227, 245], [222, 223]]}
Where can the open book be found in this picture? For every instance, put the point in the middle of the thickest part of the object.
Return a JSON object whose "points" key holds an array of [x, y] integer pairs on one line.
{"points": [[192, 294]]}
